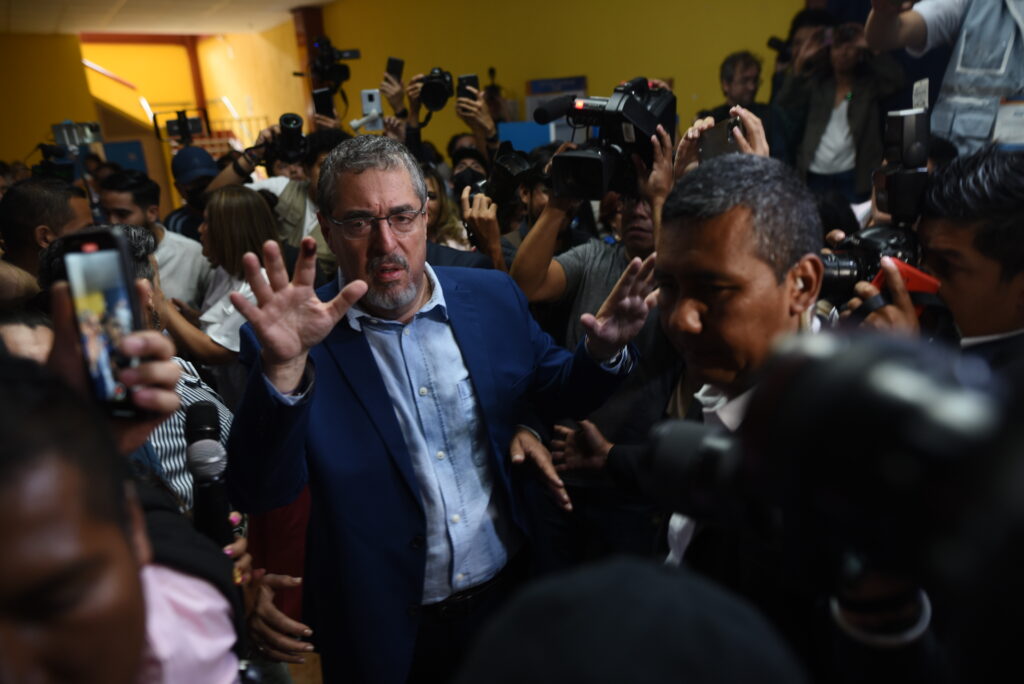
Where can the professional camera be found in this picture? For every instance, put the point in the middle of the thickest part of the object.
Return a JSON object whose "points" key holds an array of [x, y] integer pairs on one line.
{"points": [[325, 63], [626, 122], [930, 433], [289, 145], [437, 89], [899, 190]]}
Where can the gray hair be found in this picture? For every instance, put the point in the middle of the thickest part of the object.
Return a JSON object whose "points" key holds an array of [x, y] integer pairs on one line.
{"points": [[358, 155]]}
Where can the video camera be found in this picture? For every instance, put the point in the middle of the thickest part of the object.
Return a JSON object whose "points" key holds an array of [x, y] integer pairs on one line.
{"points": [[900, 185], [626, 122], [325, 63], [931, 430], [60, 159]]}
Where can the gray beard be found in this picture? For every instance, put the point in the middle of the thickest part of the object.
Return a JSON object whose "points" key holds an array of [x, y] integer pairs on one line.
{"points": [[390, 298]]}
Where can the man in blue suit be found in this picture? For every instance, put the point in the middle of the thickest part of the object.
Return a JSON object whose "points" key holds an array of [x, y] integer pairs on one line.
{"points": [[395, 398]]}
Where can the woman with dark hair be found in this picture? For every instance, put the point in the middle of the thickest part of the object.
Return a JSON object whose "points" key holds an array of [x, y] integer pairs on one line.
{"points": [[236, 220], [835, 86], [443, 224]]}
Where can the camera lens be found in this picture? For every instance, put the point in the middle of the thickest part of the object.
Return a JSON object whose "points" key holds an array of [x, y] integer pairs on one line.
{"points": [[437, 89], [842, 272]]}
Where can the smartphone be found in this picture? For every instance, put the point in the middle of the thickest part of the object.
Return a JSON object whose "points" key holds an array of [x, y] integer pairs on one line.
{"points": [[395, 67], [372, 108], [323, 102], [467, 81], [106, 310], [719, 139]]}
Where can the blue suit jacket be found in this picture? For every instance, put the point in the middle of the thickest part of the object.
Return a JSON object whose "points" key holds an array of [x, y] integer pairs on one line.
{"points": [[366, 540]]}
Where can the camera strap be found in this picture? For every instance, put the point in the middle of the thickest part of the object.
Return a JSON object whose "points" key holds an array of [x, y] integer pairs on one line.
{"points": [[876, 302], [426, 120]]}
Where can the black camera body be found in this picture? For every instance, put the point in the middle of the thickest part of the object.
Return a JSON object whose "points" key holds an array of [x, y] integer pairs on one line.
{"points": [[900, 185], [289, 145], [859, 257], [325, 63], [626, 122], [437, 89]]}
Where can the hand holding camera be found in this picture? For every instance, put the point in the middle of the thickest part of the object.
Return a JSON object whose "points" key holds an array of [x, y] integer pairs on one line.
{"points": [[391, 88], [472, 109], [413, 91]]}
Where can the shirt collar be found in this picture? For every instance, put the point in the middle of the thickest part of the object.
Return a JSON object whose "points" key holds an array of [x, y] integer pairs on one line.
{"points": [[435, 306], [966, 342], [720, 410]]}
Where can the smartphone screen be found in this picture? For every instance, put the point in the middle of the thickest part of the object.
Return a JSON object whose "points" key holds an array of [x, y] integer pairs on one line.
{"points": [[105, 311], [323, 102], [395, 67], [718, 140], [466, 81]]}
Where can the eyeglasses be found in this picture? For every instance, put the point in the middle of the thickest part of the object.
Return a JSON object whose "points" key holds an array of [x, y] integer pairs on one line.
{"points": [[401, 222]]}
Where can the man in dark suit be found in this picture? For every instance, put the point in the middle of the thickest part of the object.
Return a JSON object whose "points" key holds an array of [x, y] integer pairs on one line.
{"points": [[395, 396]]}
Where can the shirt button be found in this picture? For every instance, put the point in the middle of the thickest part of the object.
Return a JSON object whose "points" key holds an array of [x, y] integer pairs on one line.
{"points": [[460, 577], [406, 332], [423, 391], [440, 455], [456, 518]]}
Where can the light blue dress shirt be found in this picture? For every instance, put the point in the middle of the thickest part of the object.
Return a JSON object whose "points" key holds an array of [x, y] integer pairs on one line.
{"points": [[469, 533]]}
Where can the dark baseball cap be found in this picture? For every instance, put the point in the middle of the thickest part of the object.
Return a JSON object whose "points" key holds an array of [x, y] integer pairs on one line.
{"points": [[191, 163]]}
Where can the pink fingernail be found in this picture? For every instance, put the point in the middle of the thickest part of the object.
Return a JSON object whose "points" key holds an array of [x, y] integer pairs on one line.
{"points": [[235, 518], [229, 551]]}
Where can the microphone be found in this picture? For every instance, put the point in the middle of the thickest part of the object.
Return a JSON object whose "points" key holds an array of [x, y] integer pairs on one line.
{"points": [[372, 121], [207, 462], [552, 109]]}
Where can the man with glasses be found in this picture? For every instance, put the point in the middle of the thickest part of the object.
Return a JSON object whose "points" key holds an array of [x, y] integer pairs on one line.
{"points": [[394, 393], [740, 76]]}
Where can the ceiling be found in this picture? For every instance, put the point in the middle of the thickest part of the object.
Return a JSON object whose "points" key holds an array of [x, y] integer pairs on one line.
{"points": [[145, 16]]}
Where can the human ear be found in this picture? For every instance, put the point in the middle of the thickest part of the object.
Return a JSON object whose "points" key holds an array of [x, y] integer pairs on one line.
{"points": [[44, 236], [804, 282]]}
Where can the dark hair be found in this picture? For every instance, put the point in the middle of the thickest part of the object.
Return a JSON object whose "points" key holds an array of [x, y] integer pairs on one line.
{"points": [[321, 142], [811, 17], [238, 220], [450, 149], [783, 215], [29, 317], [984, 191], [144, 191], [34, 202], [737, 60], [469, 153], [41, 418], [140, 240], [941, 151]]}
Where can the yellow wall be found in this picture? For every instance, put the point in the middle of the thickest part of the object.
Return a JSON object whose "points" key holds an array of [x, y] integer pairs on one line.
{"points": [[42, 83], [160, 73], [254, 71], [605, 41]]}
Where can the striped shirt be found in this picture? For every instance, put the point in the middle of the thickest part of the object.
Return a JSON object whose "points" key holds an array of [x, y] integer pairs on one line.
{"points": [[168, 439]]}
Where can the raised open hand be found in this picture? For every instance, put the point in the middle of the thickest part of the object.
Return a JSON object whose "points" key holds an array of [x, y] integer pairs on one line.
{"points": [[288, 317], [655, 183], [623, 313]]}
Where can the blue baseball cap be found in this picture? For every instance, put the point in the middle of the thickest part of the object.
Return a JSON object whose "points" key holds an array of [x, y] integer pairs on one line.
{"points": [[191, 163]]}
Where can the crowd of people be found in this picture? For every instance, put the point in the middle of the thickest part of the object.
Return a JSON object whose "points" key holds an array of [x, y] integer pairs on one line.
{"points": [[472, 429]]}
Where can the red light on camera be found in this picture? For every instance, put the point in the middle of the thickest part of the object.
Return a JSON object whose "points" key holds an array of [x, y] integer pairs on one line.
{"points": [[579, 104], [90, 247]]}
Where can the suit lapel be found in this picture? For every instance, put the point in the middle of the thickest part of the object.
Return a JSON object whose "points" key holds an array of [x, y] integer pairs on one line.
{"points": [[353, 357], [469, 334]]}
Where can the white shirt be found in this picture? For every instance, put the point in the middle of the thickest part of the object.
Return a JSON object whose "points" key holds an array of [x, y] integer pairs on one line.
{"points": [[835, 152], [219, 318], [184, 271], [942, 19], [276, 185], [719, 411]]}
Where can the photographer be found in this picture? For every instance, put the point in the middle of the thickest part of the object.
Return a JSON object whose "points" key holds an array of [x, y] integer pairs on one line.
{"points": [[987, 62], [970, 240], [296, 208], [835, 86]]}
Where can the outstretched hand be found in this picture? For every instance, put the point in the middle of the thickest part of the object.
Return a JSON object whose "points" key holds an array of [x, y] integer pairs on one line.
{"points": [[525, 445], [583, 449], [623, 313], [288, 317], [655, 183]]}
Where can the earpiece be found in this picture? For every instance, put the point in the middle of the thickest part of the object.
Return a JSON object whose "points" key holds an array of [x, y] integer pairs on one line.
{"points": [[800, 284]]}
